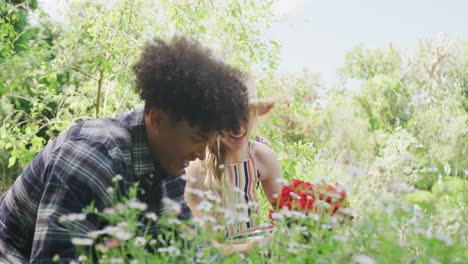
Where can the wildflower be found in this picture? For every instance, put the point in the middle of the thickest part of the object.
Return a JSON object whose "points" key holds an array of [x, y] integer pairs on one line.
{"points": [[110, 190], [151, 216], [314, 217], [339, 238], [172, 205], [56, 258], [173, 221], [446, 239], [153, 242], [201, 221], [218, 228], [82, 241], [135, 204], [347, 211], [117, 178], [122, 224], [400, 188], [139, 241], [120, 207], [302, 230], [72, 217], [122, 235], [82, 258], [355, 172], [116, 261], [101, 248], [294, 195], [363, 259], [95, 234], [205, 206], [171, 250], [323, 204], [253, 204], [210, 196], [447, 169], [277, 216], [109, 211], [111, 243]]}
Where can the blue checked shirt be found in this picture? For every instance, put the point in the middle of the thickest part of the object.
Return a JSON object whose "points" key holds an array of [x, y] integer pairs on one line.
{"points": [[71, 172]]}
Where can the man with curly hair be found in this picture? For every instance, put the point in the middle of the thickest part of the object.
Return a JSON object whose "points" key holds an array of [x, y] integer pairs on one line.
{"points": [[189, 97]]}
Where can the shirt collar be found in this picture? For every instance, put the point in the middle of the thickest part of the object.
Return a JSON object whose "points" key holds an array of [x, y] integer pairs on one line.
{"points": [[142, 160]]}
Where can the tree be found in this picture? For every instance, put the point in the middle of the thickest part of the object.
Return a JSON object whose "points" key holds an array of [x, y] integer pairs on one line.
{"points": [[82, 67], [15, 32]]}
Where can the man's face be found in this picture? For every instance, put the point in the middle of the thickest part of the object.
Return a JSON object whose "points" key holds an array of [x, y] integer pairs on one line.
{"points": [[174, 144]]}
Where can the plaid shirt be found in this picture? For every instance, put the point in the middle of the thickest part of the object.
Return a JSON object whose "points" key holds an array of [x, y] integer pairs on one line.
{"points": [[71, 172]]}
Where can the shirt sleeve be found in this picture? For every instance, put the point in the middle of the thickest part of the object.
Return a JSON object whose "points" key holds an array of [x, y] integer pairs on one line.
{"points": [[78, 173]]}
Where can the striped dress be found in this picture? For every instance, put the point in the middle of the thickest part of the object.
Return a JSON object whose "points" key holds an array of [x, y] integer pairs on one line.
{"points": [[244, 179]]}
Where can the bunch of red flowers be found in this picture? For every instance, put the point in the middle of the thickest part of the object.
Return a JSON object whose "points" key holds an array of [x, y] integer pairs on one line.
{"points": [[305, 197]]}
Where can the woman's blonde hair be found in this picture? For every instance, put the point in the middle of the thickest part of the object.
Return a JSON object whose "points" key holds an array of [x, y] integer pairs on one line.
{"points": [[215, 161]]}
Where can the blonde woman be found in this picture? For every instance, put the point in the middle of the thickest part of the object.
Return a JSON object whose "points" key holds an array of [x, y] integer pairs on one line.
{"points": [[234, 169]]}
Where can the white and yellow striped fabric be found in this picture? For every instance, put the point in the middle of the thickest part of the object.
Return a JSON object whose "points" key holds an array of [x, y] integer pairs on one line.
{"points": [[244, 179]]}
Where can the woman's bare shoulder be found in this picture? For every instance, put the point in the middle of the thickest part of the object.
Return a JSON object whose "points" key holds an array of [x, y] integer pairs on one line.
{"points": [[262, 152], [265, 158]]}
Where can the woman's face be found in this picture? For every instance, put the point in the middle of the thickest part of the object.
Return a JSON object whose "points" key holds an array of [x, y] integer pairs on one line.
{"points": [[235, 140]]}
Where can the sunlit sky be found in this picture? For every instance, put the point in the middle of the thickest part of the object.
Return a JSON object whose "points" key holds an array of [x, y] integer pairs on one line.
{"points": [[317, 33]]}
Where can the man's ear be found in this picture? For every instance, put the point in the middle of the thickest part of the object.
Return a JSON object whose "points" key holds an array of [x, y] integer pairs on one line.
{"points": [[153, 118]]}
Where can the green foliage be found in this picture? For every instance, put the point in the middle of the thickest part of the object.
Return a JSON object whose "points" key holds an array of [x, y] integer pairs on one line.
{"points": [[296, 101], [233, 28], [424, 95], [340, 131], [364, 64], [15, 33], [82, 67], [442, 130], [385, 102], [386, 229], [450, 186], [398, 161]]}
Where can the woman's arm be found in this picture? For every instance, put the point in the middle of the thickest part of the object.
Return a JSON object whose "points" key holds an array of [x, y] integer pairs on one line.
{"points": [[270, 170]]}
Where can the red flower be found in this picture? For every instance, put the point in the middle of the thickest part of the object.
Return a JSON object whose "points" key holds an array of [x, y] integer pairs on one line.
{"points": [[302, 196]]}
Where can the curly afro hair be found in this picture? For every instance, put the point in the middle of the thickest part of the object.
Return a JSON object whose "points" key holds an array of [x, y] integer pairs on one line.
{"points": [[184, 79]]}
